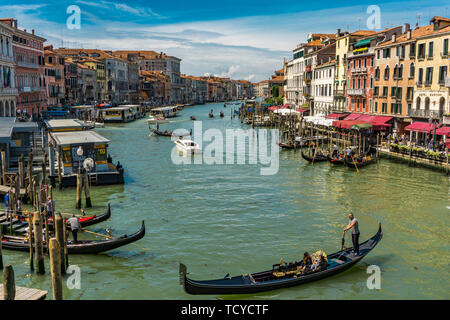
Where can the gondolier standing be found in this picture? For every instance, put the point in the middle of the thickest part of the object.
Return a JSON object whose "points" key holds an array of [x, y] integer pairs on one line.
{"points": [[355, 232], [75, 226]]}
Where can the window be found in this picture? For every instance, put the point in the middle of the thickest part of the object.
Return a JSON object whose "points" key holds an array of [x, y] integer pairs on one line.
{"points": [[371, 62], [421, 53], [385, 91], [384, 107], [386, 73], [442, 74], [393, 90], [420, 76], [430, 50], [445, 47], [412, 50], [376, 106], [429, 75], [378, 54], [376, 91], [411, 70], [387, 53], [409, 93]]}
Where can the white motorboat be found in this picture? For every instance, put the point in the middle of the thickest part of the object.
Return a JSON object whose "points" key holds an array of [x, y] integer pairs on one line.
{"points": [[157, 119], [187, 146]]}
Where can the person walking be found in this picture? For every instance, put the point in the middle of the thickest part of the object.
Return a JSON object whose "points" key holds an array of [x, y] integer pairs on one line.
{"points": [[354, 225]]}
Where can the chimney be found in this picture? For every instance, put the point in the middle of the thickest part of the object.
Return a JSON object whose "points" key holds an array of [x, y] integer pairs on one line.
{"points": [[393, 37], [408, 34], [32, 31], [338, 33], [406, 27]]}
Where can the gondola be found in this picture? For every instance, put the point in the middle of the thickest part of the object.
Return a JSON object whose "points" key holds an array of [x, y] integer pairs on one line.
{"points": [[166, 133], [82, 246], [221, 114], [335, 160], [317, 158], [271, 279], [349, 163], [193, 118], [20, 224], [211, 115]]}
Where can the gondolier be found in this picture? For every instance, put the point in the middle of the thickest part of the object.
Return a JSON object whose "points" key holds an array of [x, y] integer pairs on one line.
{"points": [[75, 226], [355, 232]]}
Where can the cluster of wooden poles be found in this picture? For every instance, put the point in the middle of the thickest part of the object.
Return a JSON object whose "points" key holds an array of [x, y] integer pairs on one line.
{"points": [[56, 243]]}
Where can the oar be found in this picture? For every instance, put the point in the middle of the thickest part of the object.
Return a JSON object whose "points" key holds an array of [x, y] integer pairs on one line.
{"points": [[353, 159], [314, 155], [342, 246]]}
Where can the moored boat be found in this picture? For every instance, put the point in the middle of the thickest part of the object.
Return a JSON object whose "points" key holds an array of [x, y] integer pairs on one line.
{"points": [[355, 163], [80, 247], [166, 133], [316, 158], [279, 276], [336, 160]]}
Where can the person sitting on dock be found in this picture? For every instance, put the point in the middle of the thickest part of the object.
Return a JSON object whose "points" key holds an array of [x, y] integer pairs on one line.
{"points": [[75, 226]]}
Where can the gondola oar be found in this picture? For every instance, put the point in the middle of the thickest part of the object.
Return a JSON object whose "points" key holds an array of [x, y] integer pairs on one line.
{"points": [[353, 159]]}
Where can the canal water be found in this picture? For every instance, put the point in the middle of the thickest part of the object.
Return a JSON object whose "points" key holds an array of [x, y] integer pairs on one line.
{"points": [[220, 219]]}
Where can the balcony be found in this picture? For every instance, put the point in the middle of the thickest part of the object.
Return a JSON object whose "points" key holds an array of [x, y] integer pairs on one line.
{"points": [[28, 65], [6, 58], [8, 91], [339, 93], [444, 54], [29, 89], [356, 92], [421, 113]]}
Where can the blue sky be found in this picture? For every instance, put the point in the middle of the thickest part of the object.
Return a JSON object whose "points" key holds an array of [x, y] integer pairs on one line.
{"points": [[242, 39]]}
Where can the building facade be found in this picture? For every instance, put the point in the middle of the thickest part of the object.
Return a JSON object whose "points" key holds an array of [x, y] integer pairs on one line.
{"points": [[8, 90]]}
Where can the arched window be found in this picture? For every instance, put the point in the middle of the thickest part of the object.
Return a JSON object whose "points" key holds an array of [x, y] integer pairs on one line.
{"points": [[377, 73], [427, 104], [418, 103], [386, 73], [441, 106]]}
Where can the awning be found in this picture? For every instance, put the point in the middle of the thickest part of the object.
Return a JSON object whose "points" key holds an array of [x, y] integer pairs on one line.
{"points": [[336, 116], [420, 127], [286, 105], [381, 121], [346, 124], [444, 131], [274, 108], [353, 116], [301, 110], [362, 43], [361, 126]]}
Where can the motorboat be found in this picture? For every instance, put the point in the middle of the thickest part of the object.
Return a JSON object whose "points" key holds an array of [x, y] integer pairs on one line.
{"points": [[157, 119], [187, 146]]}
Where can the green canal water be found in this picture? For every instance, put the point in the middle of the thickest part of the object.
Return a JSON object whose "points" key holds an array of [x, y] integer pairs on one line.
{"points": [[220, 219]]}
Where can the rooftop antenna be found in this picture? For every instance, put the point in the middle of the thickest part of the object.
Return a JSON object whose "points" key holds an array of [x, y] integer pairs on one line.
{"points": [[418, 19]]}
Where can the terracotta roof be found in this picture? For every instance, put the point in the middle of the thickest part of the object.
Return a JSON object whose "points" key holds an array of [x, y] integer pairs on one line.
{"points": [[101, 54], [437, 18], [363, 33]]}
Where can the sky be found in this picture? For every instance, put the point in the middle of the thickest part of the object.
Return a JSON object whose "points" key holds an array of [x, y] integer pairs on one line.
{"points": [[240, 39]]}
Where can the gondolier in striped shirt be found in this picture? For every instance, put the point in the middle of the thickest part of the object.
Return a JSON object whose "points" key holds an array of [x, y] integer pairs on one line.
{"points": [[353, 224]]}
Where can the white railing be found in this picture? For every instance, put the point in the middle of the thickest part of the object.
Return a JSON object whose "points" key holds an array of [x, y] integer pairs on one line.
{"points": [[356, 92], [8, 91], [27, 65]]}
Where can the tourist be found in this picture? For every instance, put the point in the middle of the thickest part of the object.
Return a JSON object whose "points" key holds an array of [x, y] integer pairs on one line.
{"points": [[19, 207], [119, 166], [75, 226], [50, 205], [109, 159], [306, 261], [7, 205], [354, 225]]}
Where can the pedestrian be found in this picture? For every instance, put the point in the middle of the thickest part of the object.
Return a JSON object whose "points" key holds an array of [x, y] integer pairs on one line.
{"points": [[50, 206], [354, 225], [75, 226], [7, 205]]}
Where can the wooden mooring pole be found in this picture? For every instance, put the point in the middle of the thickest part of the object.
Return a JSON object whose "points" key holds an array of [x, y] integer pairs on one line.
{"points": [[79, 186], [86, 190], [9, 284], [59, 234], [1, 255], [38, 245], [30, 240], [55, 268]]}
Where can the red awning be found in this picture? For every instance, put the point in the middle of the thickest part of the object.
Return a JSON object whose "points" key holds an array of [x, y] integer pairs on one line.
{"points": [[273, 108], [353, 116], [420, 127], [301, 110], [336, 116], [444, 131], [285, 105], [346, 124]]}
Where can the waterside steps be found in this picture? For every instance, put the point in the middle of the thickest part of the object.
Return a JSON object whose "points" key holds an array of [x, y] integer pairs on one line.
{"points": [[23, 293]]}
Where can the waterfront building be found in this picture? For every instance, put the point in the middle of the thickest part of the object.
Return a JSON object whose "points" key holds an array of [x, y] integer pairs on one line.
{"points": [[54, 77], [298, 72], [343, 42], [431, 89], [8, 90], [395, 71], [323, 87], [87, 84], [155, 87], [263, 89], [71, 82], [99, 67], [28, 74], [277, 80], [361, 68], [133, 82], [314, 56]]}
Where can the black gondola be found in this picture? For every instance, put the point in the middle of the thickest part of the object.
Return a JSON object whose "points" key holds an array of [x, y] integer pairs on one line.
{"points": [[317, 158], [166, 133], [82, 246], [193, 118], [336, 160], [221, 114], [349, 162], [266, 280]]}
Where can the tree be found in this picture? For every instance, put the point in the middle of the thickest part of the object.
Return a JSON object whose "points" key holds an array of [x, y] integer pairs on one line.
{"points": [[275, 91]]}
